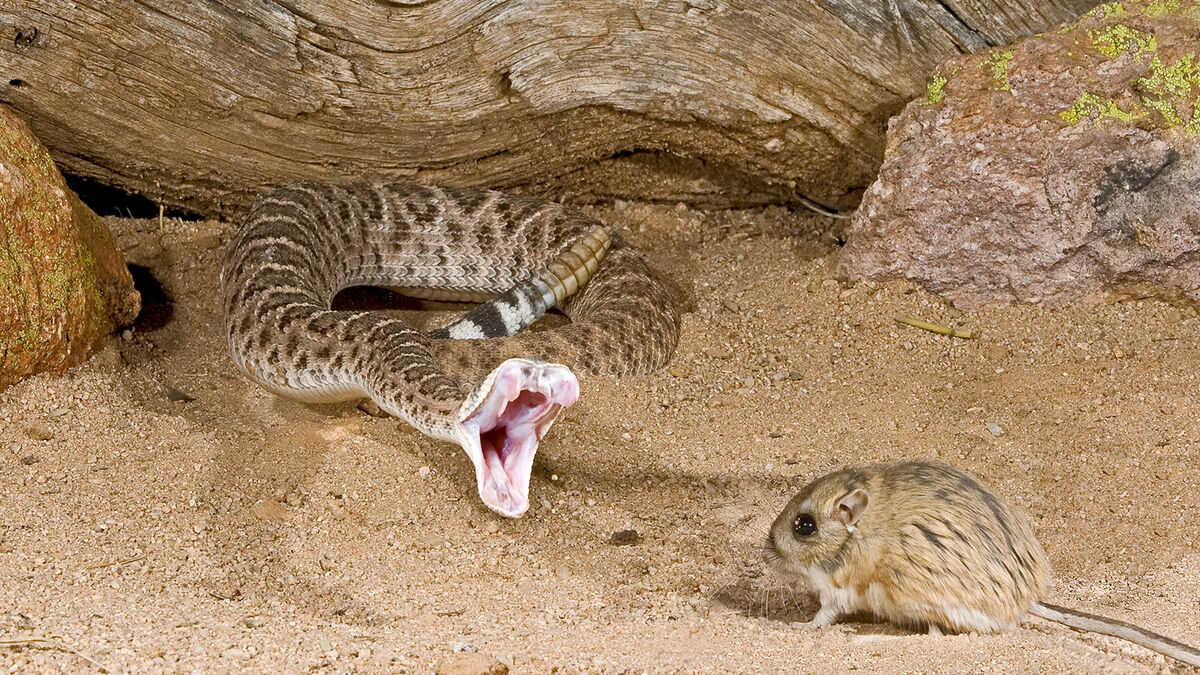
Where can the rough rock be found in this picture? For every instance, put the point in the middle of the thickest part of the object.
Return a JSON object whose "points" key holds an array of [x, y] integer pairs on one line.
{"points": [[1048, 170], [63, 283]]}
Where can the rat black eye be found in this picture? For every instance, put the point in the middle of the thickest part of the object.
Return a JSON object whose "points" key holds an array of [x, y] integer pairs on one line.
{"points": [[804, 525]]}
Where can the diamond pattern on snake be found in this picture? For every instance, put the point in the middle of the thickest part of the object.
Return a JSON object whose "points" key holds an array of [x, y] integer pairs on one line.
{"points": [[479, 381]]}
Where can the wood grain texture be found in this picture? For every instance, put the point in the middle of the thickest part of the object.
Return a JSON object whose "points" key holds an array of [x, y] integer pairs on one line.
{"points": [[201, 103]]}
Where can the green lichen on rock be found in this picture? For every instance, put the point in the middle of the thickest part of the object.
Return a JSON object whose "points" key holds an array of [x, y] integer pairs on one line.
{"points": [[1166, 88], [1091, 106], [1160, 8], [998, 63], [1109, 10], [1154, 9], [936, 90], [1117, 39]]}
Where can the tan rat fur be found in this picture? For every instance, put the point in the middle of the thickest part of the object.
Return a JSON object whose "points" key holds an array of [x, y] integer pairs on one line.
{"points": [[915, 543], [921, 543]]}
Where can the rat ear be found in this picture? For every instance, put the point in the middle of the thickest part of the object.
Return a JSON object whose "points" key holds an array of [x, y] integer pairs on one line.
{"points": [[850, 508]]}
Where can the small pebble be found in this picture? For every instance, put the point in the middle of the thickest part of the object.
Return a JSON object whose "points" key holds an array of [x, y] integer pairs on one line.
{"points": [[775, 434], [235, 653], [178, 396], [39, 433], [270, 510], [29, 459], [994, 429], [371, 408], [718, 401], [423, 472], [562, 572], [625, 538], [626, 436], [719, 351], [208, 241], [731, 305], [464, 647]]}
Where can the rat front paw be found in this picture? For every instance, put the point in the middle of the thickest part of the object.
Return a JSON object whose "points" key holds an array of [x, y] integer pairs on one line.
{"points": [[825, 617]]}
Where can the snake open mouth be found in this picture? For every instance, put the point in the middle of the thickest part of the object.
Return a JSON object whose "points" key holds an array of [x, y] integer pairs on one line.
{"points": [[519, 401]]}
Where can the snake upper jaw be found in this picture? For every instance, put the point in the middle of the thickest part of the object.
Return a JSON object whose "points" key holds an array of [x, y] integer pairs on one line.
{"points": [[502, 421]]}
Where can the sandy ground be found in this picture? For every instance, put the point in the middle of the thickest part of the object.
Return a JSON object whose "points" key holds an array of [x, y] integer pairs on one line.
{"points": [[240, 531]]}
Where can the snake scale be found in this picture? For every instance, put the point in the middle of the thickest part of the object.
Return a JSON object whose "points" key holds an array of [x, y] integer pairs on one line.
{"points": [[479, 381]]}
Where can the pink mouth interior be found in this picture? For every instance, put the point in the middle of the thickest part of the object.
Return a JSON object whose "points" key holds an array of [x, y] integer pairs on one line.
{"points": [[512, 428], [524, 400]]}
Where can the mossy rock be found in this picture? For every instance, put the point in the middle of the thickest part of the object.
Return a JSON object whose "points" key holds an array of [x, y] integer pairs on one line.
{"points": [[64, 285], [1051, 170], [1129, 62]]}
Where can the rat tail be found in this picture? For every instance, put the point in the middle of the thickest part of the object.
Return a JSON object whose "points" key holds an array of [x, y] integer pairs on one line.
{"points": [[1118, 629]]}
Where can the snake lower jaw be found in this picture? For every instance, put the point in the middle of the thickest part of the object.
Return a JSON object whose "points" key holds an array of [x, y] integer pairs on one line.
{"points": [[504, 418]]}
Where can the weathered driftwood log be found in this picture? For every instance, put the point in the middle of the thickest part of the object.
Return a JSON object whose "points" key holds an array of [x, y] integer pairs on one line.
{"points": [[201, 103], [63, 283]]}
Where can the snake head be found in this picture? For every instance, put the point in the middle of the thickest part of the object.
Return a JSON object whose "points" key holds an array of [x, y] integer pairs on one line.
{"points": [[503, 419]]}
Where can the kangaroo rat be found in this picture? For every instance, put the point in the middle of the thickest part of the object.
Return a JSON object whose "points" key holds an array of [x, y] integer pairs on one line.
{"points": [[922, 543]]}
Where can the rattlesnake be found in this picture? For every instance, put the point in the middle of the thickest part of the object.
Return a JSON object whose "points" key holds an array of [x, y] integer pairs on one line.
{"points": [[473, 382]]}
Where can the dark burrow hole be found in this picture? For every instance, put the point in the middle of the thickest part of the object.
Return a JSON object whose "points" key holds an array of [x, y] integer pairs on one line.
{"points": [[107, 200], [16, 82], [369, 298], [374, 298], [157, 306]]}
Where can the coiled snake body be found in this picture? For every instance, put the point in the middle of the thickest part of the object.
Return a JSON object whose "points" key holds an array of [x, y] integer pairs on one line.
{"points": [[478, 381]]}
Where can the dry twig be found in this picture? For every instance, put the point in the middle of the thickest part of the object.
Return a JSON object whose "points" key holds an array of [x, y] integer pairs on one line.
{"points": [[117, 562], [936, 328]]}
